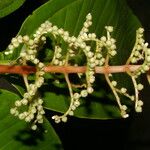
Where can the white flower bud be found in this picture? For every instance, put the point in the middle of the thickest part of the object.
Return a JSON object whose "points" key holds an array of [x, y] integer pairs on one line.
{"points": [[6, 53], [133, 60], [64, 119], [86, 25], [57, 120], [138, 109], [39, 117], [113, 53], [84, 93], [93, 36], [40, 121], [108, 43], [10, 47], [114, 83], [76, 103], [99, 55], [31, 42], [89, 17], [140, 30], [109, 28], [76, 96], [40, 101], [34, 127], [24, 101], [21, 116], [91, 79], [71, 113], [90, 90], [35, 61], [132, 98], [123, 90], [18, 103], [140, 87], [146, 67], [26, 38], [148, 59], [140, 103], [90, 54], [125, 116], [148, 51], [103, 39], [113, 47], [124, 107], [13, 111], [27, 119], [16, 44]]}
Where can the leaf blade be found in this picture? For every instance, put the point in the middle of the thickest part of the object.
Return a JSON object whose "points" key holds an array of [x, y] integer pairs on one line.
{"points": [[9, 6], [18, 135]]}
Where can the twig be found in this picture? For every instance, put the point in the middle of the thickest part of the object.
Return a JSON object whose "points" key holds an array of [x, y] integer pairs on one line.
{"points": [[67, 69]]}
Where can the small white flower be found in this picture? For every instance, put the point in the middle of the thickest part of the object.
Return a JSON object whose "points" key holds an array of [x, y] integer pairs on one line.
{"points": [[21, 116], [140, 30], [90, 54], [27, 119], [30, 42], [124, 107], [114, 83], [146, 67], [64, 119], [132, 98], [123, 90], [91, 79], [90, 90], [113, 53], [26, 38], [84, 93], [76, 103], [148, 59], [71, 113], [24, 101], [76, 96], [103, 38], [125, 116], [109, 28], [18, 103], [108, 43], [13, 111], [34, 127], [140, 103], [140, 87], [138, 109], [89, 17], [10, 47]]}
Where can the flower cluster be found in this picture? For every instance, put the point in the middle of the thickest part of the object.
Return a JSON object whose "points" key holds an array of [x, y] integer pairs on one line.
{"points": [[140, 52], [105, 49], [30, 99]]}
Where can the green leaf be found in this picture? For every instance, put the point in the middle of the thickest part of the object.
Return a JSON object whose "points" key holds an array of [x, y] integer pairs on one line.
{"points": [[16, 134], [9, 6], [70, 15], [91, 107]]}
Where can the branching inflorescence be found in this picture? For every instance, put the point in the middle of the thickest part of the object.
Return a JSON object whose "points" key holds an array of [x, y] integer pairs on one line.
{"points": [[66, 49]]}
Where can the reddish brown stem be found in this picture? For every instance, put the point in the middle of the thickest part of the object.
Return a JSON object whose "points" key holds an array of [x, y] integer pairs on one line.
{"points": [[67, 69]]}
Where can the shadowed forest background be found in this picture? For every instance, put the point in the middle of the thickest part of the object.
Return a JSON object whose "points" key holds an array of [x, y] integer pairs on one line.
{"points": [[83, 134]]}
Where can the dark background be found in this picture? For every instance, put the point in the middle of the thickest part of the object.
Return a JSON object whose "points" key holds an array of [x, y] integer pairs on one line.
{"points": [[82, 134]]}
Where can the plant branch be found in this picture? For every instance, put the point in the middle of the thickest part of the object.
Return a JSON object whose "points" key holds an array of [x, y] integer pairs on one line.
{"points": [[67, 69]]}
